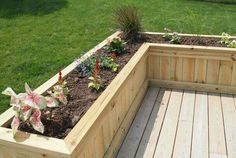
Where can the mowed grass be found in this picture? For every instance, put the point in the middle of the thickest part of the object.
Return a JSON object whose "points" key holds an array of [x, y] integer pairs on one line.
{"points": [[39, 37]]}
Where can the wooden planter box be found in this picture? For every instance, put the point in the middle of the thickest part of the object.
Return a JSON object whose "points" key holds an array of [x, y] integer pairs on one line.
{"points": [[102, 129]]}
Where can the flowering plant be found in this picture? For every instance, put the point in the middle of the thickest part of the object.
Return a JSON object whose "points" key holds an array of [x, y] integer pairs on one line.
{"points": [[59, 92], [27, 105], [27, 108], [95, 79]]}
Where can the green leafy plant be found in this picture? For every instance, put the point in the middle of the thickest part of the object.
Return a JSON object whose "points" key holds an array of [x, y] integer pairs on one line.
{"points": [[108, 62], [128, 21], [232, 44], [105, 62], [115, 45], [95, 79], [167, 35], [175, 38], [172, 37], [226, 40]]}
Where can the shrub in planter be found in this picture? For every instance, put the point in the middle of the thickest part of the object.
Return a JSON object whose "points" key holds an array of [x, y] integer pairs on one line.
{"points": [[128, 21]]}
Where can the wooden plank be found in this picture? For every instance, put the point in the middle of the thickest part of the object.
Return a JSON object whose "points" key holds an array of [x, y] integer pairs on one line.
{"points": [[131, 142], [185, 34], [157, 66], [33, 144], [217, 146], [225, 74], [200, 128], [229, 114], [176, 68], [193, 50], [233, 80], [213, 67], [89, 152], [123, 129], [194, 86], [107, 135], [165, 144], [188, 69], [151, 68], [200, 70], [183, 140], [165, 68], [150, 137], [99, 144], [196, 55]]}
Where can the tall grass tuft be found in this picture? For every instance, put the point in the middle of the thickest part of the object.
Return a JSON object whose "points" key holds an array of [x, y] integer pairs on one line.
{"points": [[128, 21]]}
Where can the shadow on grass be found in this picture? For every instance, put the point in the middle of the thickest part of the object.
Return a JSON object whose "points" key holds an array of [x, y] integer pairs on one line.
{"points": [[14, 8], [230, 2]]}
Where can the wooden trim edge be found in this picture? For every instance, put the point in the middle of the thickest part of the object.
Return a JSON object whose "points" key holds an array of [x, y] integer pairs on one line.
{"points": [[193, 86]]}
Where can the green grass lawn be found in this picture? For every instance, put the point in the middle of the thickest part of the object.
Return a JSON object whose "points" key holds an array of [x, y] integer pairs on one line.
{"points": [[39, 37]]}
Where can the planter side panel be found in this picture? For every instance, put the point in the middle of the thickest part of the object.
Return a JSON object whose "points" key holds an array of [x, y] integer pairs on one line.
{"points": [[126, 92], [200, 68]]}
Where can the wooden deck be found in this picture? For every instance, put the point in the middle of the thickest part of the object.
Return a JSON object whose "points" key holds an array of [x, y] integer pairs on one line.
{"points": [[182, 124]]}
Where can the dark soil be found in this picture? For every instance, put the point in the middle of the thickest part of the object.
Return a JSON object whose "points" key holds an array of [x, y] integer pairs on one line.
{"points": [[59, 121]]}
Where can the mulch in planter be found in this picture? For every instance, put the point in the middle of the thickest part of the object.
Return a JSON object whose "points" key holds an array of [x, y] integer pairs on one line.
{"points": [[80, 98]]}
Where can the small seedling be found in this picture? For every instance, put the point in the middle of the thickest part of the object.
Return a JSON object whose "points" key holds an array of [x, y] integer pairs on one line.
{"points": [[232, 44], [95, 79], [226, 40], [175, 38], [116, 45], [167, 35], [59, 92]]}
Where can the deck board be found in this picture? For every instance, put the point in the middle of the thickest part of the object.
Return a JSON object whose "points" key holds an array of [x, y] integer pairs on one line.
{"points": [[175, 123], [149, 140], [200, 127], [183, 140], [217, 146], [167, 136], [137, 128]]}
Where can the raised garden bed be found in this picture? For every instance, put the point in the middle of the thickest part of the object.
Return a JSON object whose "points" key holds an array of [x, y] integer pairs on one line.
{"points": [[103, 118]]}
